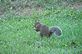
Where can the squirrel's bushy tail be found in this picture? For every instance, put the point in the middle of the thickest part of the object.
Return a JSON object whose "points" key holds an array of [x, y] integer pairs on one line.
{"points": [[56, 30]]}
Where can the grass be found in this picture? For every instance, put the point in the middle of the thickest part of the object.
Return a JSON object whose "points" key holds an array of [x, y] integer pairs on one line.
{"points": [[18, 37]]}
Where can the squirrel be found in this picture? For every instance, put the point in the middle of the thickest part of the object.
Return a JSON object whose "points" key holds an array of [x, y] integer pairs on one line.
{"points": [[45, 31]]}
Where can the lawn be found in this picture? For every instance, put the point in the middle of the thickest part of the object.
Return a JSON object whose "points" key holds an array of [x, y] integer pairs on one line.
{"points": [[17, 34]]}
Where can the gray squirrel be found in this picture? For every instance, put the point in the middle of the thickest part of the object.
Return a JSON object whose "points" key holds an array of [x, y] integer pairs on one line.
{"points": [[45, 30]]}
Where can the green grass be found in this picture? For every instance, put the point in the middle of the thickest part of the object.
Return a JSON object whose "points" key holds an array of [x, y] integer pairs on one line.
{"points": [[17, 35]]}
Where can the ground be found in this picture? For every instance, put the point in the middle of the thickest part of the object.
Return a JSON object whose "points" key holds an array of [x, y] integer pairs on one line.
{"points": [[17, 34]]}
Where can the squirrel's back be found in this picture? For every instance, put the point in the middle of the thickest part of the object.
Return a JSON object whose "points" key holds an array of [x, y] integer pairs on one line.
{"points": [[44, 31]]}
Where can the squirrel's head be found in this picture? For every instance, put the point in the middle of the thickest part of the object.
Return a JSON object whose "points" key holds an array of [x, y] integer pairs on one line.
{"points": [[37, 26]]}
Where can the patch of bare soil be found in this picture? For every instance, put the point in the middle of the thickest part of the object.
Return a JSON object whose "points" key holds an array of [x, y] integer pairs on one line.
{"points": [[29, 8], [38, 8], [2, 11], [29, 11], [77, 5], [24, 9]]}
